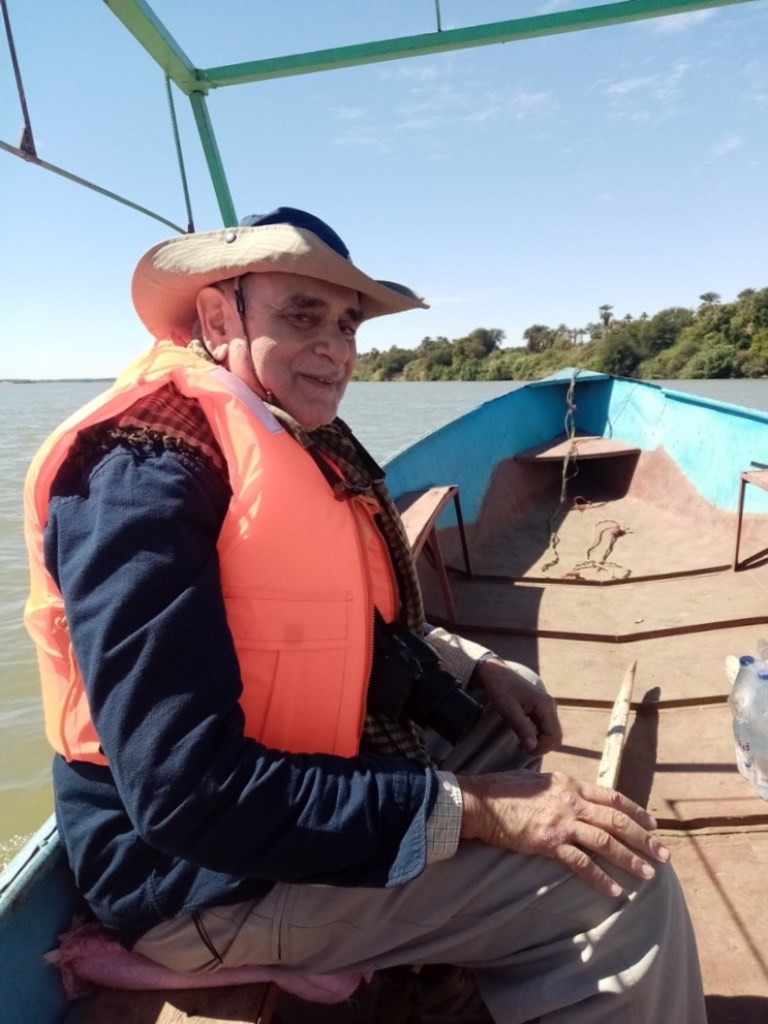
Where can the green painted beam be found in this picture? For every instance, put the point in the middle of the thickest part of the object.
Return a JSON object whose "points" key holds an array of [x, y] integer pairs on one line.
{"points": [[142, 22], [453, 39], [213, 159], [145, 26]]}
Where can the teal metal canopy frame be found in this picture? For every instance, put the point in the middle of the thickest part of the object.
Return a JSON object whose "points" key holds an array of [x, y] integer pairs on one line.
{"points": [[196, 82], [141, 21]]}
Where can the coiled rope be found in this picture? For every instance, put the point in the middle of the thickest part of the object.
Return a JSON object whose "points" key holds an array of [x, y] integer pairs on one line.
{"points": [[610, 527]]}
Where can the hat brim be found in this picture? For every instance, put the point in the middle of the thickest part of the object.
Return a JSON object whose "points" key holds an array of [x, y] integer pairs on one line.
{"points": [[170, 275]]}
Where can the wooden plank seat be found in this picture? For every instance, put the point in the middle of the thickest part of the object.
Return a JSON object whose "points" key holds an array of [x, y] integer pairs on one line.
{"points": [[580, 446], [238, 1004], [419, 511], [758, 478], [263, 1003]]}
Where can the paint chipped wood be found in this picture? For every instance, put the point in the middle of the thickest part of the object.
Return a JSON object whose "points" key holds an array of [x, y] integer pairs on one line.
{"points": [[608, 770], [238, 1004]]}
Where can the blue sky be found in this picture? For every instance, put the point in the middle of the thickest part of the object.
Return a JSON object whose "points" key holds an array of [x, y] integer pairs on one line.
{"points": [[510, 185]]}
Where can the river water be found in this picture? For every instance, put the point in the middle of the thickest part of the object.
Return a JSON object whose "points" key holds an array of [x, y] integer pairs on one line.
{"points": [[386, 417]]}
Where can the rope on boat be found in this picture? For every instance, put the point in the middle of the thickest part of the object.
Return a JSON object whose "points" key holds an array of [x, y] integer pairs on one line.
{"points": [[616, 531], [570, 430], [179, 156], [613, 528]]}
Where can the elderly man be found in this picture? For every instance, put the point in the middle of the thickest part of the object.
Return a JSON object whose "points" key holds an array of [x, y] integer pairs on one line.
{"points": [[241, 776]]}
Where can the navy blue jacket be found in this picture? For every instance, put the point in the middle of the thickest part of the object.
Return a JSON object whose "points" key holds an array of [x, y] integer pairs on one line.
{"points": [[189, 812]]}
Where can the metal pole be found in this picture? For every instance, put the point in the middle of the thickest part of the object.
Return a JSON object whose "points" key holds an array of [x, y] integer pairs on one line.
{"points": [[213, 159], [27, 142]]}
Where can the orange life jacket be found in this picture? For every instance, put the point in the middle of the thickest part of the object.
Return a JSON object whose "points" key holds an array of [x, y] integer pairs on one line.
{"points": [[300, 571]]}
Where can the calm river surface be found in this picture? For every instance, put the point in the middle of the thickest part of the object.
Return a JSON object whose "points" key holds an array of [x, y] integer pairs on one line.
{"points": [[386, 417]]}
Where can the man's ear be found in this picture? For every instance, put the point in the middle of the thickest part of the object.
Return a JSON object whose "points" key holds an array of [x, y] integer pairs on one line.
{"points": [[219, 321]]}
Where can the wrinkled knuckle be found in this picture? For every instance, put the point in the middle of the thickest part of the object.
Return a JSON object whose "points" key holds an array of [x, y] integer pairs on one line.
{"points": [[571, 800], [619, 821], [581, 861], [603, 841]]}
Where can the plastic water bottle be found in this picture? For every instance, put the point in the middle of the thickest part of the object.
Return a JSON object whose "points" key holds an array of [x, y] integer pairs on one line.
{"points": [[741, 700], [758, 723]]}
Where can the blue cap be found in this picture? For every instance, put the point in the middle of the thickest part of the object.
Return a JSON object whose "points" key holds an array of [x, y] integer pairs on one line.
{"points": [[299, 219]]}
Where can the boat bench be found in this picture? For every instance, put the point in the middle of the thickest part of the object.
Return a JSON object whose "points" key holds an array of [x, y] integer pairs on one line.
{"points": [[419, 511], [579, 447], [263, 1003], [240, 1004], [758, 478]]}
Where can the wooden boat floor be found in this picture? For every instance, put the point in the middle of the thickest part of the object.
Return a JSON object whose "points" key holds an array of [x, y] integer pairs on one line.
{"points": [[581, 637]]}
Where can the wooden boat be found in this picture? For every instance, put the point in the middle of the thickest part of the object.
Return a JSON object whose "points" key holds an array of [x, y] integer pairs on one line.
{"points": [[609, 533], [631, 548], [604, 555]]}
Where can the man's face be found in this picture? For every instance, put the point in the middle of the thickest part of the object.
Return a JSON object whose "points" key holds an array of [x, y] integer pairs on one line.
{"points": [[301, 343]]}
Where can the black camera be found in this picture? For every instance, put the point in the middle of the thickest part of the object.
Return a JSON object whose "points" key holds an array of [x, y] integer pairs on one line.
{"points": [[407, 682]]}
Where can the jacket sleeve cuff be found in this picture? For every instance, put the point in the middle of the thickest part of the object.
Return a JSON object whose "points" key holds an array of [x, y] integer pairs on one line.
{"points": [[444, 821], [457, 655]]}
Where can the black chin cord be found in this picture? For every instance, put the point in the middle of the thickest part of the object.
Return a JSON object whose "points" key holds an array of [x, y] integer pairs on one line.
{"points": [[240, 304]]}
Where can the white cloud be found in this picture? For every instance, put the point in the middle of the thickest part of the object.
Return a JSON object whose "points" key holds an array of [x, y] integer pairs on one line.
{"points": [[727, 143], [348, 113], [648, 98], [662, 86], [413, 72], [677, 23], [457, 299], [756, 74], [518, 106], [381, 145]]}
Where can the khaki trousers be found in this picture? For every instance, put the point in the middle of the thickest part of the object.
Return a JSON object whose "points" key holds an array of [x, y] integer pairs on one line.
{"points": [[542, 944]]}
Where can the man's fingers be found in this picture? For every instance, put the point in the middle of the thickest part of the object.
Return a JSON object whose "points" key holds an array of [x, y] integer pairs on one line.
{"points": [[588, 870], [612, 798], [588, 828], [628, 828], [634, 834], [612, 850]]}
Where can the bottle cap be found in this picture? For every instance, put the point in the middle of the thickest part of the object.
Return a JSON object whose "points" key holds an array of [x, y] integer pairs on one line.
{"points": [[746, 659]]}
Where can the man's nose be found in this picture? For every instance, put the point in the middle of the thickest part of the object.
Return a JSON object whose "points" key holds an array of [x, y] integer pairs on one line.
{"points": [[337, 343]]}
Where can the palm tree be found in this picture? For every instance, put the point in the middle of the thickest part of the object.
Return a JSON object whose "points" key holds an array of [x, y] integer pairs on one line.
{"points": [[538, 337], [606, 314]]}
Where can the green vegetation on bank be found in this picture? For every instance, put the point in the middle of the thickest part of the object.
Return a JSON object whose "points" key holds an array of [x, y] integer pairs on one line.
{"points": [[714, 340]]}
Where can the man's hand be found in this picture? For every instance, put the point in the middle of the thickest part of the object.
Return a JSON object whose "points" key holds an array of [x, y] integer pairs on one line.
{"points": [[554, 815], [530, 712]]}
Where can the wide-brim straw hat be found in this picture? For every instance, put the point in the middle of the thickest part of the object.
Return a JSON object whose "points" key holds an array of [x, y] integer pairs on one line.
{"points": [[170, 275]]}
